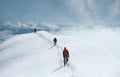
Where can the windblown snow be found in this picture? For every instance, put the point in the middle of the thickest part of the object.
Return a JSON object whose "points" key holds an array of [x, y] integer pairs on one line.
{"points": [[92, 54]]}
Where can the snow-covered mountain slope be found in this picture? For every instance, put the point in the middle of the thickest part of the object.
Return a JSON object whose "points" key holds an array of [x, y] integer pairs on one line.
{"points": [[34, 55]]}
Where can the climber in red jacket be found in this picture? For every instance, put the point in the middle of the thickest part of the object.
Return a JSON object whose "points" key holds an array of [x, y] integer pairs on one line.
{"points": [[65, 55]]}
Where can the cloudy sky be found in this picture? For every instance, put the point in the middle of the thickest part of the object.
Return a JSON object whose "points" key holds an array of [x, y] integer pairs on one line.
{"points": [[61, 11]]}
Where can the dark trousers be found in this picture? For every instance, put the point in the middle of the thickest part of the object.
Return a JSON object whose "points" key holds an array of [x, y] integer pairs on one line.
{"points": [[34, 30], [65, 59], [54, 43]]}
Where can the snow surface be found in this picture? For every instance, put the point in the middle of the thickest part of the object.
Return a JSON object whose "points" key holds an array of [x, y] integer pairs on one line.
{"points": [[92, 54]]}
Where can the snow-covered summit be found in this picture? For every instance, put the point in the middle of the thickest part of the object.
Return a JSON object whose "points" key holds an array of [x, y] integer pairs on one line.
{"points": [[34, 55]]}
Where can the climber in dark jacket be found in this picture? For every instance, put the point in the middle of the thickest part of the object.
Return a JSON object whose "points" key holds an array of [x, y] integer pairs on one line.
{"points": [[55, 41], [35, 29]]}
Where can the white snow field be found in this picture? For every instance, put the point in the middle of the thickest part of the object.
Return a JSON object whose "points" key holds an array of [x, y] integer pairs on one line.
{"points": [[92, 54]]}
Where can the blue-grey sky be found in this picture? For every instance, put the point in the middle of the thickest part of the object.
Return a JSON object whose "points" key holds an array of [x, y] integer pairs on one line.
{"points": [[61, 11]]}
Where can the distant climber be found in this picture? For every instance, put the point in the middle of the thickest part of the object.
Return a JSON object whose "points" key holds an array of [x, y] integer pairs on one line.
{"points": [[55, 41], [65, 55], [35, 29]]}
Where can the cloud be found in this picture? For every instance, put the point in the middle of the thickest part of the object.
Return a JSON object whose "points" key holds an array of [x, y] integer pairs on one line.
{"points": [[94, 11], [60, 11], [5, 35], [50, 26], [79, 9], [83, 10], [114, 9], [19, 25], [8, 29], [92, 6]]}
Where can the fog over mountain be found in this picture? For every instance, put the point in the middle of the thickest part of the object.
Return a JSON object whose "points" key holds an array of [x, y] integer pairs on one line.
{"points": [[20, 16]]}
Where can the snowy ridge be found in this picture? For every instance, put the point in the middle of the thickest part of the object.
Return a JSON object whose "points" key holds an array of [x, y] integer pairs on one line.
{"points": [[10, 29], [33, 55]]}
